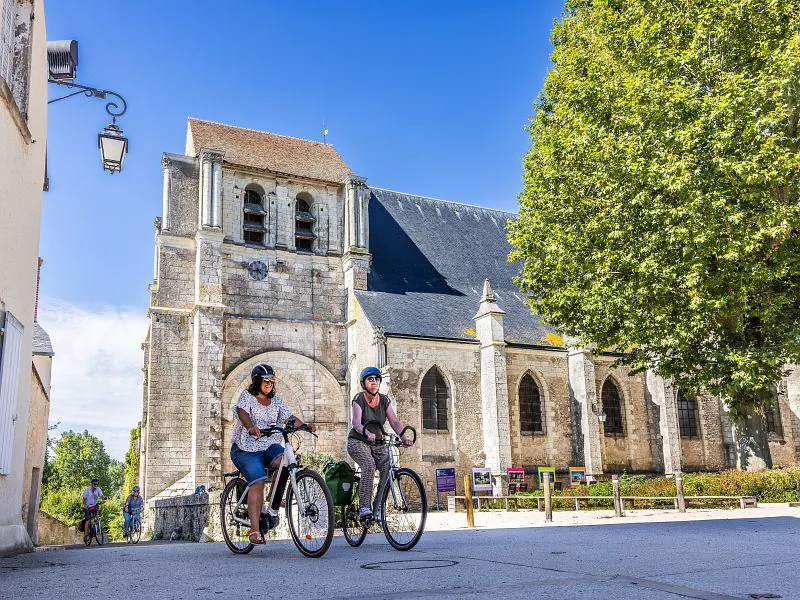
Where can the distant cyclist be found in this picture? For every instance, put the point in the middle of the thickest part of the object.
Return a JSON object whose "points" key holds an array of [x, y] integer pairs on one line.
{"points": [[133, 505], [89, 499], [370, 405]]}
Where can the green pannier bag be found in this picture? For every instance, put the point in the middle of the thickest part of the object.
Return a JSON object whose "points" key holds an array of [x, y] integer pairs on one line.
{"points": [[340, 478]]}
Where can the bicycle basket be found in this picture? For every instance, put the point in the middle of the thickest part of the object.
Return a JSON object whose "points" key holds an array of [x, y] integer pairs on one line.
{"points": [[339, 476]]}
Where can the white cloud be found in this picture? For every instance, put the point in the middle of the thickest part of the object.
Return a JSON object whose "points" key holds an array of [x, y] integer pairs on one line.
{"points": [[97, 369]]}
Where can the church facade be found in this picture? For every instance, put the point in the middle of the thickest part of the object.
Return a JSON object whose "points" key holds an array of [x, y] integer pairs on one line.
{"points": [[270, 249]]}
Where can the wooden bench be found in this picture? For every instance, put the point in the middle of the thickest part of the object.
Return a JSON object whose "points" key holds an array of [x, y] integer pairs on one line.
{"points": [[744, 501], [454, 502], [577, 499]]}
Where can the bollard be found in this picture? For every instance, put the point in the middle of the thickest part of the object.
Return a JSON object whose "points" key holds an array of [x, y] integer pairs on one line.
{"points": [[679, 491], [548, 500], [468, 502], [617, 499]]}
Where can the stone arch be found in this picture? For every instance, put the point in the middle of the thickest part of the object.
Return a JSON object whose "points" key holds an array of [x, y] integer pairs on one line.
{"points": [[623, 396], [308, 387], [544, 396]]}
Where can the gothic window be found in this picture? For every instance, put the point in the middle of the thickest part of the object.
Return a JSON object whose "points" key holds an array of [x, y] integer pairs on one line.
{"points": [[435, 396], [612, 406], [772, 416], [687, 416], [253, 228], [530, 406], [304, 223]]}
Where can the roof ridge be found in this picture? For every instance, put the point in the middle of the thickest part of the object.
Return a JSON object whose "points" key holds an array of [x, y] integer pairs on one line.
{"points": [[288, 137], [505, 212]]}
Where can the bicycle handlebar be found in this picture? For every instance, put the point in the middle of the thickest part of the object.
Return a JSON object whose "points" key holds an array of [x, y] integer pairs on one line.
{"points": [[285, 431], [387, 435]]}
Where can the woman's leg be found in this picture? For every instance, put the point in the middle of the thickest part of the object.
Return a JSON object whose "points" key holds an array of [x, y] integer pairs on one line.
{"points": [[255, 499], [361, 453], [381, 456], [127, 525]]}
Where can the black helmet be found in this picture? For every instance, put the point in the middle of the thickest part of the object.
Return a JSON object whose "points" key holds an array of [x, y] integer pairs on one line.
{"points": [[369, 371], [95, 480], [262, 371]]}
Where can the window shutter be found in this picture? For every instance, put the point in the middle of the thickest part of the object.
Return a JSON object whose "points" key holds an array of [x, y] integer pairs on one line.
{"points": [[7, 40], [10, 345]]}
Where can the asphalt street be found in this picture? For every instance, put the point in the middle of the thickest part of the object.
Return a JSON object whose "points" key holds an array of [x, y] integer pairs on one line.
{"points": [[714, 559]]}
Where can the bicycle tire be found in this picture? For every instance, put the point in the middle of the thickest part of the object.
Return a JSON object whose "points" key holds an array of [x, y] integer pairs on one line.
{"points": [[135, 532], [231, 530], [354, 532], [404, 509], [99, 534], [88, 537], [313, 532]]}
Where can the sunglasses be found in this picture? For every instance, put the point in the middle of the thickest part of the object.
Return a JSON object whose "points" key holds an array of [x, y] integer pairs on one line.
{"points": [[270, 381], [373, 378]]}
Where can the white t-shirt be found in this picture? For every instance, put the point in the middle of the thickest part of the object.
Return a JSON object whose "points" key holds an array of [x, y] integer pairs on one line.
{"points": [[92, 497], [262, 417]]}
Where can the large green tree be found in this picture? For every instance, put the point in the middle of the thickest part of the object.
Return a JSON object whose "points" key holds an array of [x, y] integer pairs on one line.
{"points": [[660, 212], [77, 457]]}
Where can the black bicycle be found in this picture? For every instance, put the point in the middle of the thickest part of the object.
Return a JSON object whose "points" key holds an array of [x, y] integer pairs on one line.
{"points": [[95, 527], [309, 505], [404, 503]]}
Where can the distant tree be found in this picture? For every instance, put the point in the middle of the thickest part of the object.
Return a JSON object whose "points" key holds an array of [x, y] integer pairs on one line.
{"points": [[132, 460], [660, 213], [77, 458]]}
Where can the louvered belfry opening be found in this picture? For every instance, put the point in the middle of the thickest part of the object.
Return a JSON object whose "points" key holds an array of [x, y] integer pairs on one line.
{"points": [[304, 224], [253, 228]]}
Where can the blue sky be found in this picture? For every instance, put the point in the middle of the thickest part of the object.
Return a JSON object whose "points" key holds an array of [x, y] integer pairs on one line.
{"points": [[424, 97]]}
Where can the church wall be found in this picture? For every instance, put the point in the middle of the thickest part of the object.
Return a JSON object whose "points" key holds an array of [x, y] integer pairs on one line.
{"points": [[362, 349], [551, 374], [783, 448], [247, 337], [183, 196], [631, 451], [176, 274], [707, 452], [298, 286], [462, 445], [169, 410]]}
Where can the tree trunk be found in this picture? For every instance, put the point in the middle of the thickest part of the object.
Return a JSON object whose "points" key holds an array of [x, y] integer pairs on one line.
{"points": [[750, 438]]}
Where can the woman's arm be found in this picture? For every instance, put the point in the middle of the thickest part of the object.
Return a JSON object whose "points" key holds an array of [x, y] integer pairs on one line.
{"points": [[247, 423], [395, 422], [356, 420]]}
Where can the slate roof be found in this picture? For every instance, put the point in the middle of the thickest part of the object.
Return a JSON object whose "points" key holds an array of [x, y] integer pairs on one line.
{"points": [[278, 154], [41, 341], [429, 261]]}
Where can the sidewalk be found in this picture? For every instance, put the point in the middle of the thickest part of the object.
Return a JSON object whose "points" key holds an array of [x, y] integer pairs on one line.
{"points": [[497, 519]]}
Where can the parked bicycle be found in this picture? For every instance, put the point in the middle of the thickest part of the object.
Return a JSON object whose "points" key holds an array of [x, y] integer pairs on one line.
{"points": [[404, 503], [135, 528], [309, 506], [95, 526]]}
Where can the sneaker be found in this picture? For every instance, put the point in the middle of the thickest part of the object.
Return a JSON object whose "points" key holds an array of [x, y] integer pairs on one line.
{"points": [[364, 514], [273, 520]]}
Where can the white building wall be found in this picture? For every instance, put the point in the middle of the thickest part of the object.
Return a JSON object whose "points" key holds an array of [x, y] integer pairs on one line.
{"points": [[22, 170]]}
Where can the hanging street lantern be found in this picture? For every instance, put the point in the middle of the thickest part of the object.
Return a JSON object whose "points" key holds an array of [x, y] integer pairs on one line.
{"points": [[113, 147]]}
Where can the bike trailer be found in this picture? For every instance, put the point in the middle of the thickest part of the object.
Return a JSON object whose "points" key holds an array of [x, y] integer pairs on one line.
{"points": [[339, 476]]}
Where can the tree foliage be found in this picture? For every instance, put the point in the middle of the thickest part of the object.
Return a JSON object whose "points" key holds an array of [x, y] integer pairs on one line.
{"points": [[75, 459], [132, 461], [660, 213]]}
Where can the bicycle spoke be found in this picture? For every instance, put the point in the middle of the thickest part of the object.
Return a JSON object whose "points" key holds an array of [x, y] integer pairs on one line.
{"points": [[404, 508]]}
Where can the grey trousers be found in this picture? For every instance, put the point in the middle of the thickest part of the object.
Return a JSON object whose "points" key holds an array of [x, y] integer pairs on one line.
{"points": [[369, 458]]}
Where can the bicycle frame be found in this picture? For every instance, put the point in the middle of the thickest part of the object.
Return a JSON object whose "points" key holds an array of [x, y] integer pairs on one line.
{"points": [[286, 470]]}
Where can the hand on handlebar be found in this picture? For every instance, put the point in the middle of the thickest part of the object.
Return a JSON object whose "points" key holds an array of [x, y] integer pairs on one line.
{"points": [[254, 431], [370, 436], [406, 442]]}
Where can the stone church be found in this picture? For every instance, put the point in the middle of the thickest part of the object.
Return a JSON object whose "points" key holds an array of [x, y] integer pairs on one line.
{"points": [[270, 249]]}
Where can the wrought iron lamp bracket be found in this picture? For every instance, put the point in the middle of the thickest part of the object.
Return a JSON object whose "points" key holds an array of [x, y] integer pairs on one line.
{"points": [[112, 107]]}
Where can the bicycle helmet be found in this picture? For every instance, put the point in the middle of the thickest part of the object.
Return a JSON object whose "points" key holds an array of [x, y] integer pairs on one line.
{"points": [[136, 488], [95, 480], [263, 371], [367, 372]]}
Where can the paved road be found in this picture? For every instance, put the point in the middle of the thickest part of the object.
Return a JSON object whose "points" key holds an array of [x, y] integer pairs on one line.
{"points": [[715, 559]]}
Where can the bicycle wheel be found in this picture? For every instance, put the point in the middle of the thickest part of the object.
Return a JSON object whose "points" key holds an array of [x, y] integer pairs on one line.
{"points": [[235, 534], [99, 535], [310, 517], [135, 531], [404, 507], [88, 539], [354, 532]]}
